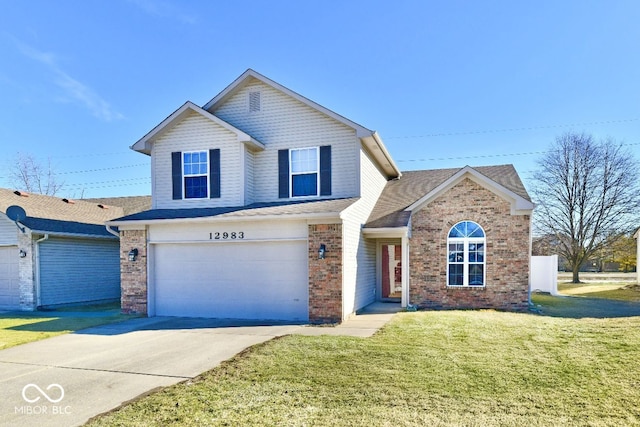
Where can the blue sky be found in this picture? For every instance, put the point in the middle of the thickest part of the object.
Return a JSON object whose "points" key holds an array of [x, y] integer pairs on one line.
{"points": [[445, 83]]}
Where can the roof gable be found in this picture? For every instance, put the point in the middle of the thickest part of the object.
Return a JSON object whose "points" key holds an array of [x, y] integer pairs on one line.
{"points": [[519, 204], [416, 188], [370, 138], [143, 145]]}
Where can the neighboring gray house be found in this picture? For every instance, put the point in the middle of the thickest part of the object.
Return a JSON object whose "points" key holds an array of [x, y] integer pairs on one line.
{"points": [[267, 205], [60, 254]]}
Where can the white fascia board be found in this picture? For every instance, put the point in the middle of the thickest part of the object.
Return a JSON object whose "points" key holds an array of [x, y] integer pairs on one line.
{"points": [[317, 218], [76, 235], [386, 232], [144, 144], [519, 205]]}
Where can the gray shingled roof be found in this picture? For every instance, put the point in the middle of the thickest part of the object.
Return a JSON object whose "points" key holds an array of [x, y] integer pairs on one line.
{"points": [[252, 210], [401, 193], [54, 215], [130, 205]]}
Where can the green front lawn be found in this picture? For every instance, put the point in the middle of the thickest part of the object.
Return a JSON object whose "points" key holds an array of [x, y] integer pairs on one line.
{"points": [[21, 328], [472, 368], [621, 291]]}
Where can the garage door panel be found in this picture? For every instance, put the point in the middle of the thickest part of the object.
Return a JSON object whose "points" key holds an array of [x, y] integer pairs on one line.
{"points": [[235, 280]]}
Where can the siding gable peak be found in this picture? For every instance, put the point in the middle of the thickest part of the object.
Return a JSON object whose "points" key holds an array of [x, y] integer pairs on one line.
{"points": [[370, 138], [144, 144]]}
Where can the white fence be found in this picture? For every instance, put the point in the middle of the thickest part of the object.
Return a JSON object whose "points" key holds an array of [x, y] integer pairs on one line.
{"points": [[544, 274]]}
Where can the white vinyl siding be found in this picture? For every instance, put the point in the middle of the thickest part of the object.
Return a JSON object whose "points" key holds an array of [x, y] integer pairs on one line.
{"points": [[285, 123], [79, 270], [197, 133], [359, 254], [8, 231], [249, 177], [9, 278]]}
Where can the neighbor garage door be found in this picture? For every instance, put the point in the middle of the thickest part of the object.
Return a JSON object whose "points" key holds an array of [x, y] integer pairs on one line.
{"points": [[9, 287], [247, 280]]}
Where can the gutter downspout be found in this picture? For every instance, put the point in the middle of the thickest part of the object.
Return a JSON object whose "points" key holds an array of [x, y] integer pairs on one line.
{"points": [[37, 245], [112, 231]]}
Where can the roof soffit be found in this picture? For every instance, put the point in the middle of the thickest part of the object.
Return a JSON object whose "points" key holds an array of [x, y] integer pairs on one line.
{"points": [[519, 205]]}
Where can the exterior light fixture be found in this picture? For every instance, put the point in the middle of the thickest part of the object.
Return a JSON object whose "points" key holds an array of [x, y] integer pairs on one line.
{"points": [[23, 253], [133, 254], [322, 251]]}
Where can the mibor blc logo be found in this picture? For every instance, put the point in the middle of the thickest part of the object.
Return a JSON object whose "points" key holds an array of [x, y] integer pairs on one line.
{"points": [[45, 395], [43, 402]]}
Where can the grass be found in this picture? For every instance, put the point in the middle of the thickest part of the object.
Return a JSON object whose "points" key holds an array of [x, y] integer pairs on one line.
{"points": [[621, 291], [17, 329], [439, 368]]}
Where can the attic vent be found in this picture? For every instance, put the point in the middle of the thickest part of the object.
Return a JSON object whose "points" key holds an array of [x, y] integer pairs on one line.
{"points": [[102, 207], [254, 102], [68, 201], [17, 193]]}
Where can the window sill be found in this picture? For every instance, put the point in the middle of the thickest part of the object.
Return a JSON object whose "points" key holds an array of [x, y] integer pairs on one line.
{"points": [[466, 287]]}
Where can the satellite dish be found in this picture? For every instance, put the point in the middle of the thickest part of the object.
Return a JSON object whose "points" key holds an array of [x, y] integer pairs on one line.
{"points": [[16, 214]]}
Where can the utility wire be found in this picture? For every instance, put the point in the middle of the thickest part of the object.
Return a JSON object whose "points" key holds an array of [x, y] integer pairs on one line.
{"points": [[486, 156], [479, 132]]}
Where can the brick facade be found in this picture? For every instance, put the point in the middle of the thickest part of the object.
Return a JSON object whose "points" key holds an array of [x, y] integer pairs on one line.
{"points": [[506, 252], [26, 268], [325, 275], [133, 274]]}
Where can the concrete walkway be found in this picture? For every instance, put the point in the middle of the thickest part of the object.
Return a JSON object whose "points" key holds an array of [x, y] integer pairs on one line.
{"points": [[65, 380], [364, 324]]}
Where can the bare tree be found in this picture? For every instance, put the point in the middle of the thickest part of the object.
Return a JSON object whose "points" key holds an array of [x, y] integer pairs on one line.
{"points": [[27, 173], [587, 191]]}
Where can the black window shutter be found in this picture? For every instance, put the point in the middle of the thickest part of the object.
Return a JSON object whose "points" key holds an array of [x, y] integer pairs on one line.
{"points": [[325, 170], [176, 174], [214, 173], [283, 174]]}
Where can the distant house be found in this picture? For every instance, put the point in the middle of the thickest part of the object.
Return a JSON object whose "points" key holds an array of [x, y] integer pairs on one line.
{"points": [[60, 254], [266, 205]]}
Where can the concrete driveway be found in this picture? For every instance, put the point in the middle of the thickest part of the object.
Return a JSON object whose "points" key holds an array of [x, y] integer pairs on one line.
{"points": [[66, 380]]}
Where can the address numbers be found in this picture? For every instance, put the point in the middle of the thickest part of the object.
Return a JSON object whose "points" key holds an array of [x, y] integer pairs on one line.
{"points": [[227, 235]]}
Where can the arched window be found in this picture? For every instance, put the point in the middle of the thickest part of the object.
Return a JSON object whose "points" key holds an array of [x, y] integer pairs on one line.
{"points": [[465, 266]]}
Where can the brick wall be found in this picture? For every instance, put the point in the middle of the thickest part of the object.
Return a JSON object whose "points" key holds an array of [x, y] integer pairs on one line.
{"points": [[26, 269], [506, 251], [133, 274], [325, 275]]}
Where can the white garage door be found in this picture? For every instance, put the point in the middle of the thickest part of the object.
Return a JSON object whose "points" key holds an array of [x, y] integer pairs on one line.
{"points": [[248, 280], [9, 287]]}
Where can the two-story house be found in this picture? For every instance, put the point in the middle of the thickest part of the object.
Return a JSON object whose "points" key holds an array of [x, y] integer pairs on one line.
{"points": [[266, 205]]}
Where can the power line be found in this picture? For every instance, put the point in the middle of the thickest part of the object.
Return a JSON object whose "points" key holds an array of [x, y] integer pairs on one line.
{"points": [[145, 180], [483, 156], [103, 169], [479, 132]]}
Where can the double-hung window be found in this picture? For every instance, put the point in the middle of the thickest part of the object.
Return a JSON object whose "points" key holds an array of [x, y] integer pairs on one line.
{"points": [[466, 255], [195, 167], [304, 172], [305, 176]]}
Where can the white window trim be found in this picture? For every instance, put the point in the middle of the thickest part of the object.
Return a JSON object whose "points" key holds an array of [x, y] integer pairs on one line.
{"points": [[292, 174], [185, 176], [465, 263]]}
